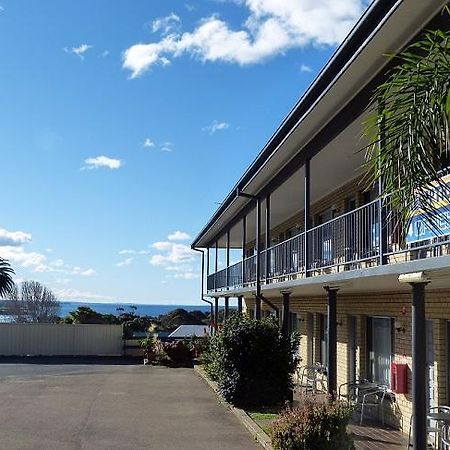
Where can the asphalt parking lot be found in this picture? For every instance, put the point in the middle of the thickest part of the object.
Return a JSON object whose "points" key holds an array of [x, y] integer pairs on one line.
{"points": [[95, 405]]}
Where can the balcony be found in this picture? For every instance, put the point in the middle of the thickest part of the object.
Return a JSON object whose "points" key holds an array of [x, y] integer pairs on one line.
{"points": [[348, 242]]}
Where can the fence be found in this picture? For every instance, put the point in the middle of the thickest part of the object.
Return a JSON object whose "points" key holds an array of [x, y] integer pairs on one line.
{"points": [[46, 339]]}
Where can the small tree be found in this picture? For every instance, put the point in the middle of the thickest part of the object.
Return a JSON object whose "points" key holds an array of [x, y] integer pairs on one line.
{"points": [[252, 361], [33, 302]]}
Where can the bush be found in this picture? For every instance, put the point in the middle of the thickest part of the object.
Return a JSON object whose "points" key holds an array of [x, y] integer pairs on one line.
{"points": [[252, 362], [314, 426], [178, 352]]}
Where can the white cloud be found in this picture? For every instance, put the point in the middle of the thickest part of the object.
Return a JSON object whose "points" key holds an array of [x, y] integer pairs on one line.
{"points": [[19, 255], [178, 236], [173, 254], [74, 294], [13, 238], [161, 245], [105, 53], [125, 262], [88, 272], [127, 252], [148, 143], [305, 68], [49, 250], [167, 25], [79, 51], [216, 126], [167, 147], [187, 275], [272, 28], [102, 161]]}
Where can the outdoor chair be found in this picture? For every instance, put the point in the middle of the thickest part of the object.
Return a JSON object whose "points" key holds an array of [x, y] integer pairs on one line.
{"points": [[439, 429], [309, 377], [352, 390], [371, 397]]}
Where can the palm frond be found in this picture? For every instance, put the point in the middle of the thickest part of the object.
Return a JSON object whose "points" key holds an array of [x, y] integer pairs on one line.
{"points": [[6, 280], [409, 133]]}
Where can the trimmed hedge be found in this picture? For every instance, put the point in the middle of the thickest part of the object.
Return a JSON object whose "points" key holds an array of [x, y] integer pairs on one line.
{"points": [[252, 361]]}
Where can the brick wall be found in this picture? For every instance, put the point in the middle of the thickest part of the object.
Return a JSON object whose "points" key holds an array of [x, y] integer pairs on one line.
{"points": [[389, 304]]}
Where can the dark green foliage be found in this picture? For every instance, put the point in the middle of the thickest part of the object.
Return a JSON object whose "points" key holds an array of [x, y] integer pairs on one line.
{"points": [[409, 131], [6, 281], [84, 314], [179, 316], [313, 426], [252, 361], [178, 352]]}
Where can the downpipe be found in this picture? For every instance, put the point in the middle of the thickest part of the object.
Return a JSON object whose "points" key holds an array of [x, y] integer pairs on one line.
{"points": [[202, 292]]}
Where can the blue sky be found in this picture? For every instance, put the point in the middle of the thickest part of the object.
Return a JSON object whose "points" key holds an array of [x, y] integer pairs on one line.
{"points": [[123, 123]]}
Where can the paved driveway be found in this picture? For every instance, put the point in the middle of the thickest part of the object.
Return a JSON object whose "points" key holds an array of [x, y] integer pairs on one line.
{"points": [[109, 406]]}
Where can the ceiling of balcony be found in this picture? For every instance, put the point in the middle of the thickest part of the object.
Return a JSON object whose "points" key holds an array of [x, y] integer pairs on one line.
{"points": [[337, 164]]}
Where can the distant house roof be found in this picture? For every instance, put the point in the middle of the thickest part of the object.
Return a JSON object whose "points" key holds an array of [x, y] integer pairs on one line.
{"points": [[185, 331]]}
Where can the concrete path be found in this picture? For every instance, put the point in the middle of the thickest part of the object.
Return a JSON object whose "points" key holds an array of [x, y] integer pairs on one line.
{"points": [[96, 407]]}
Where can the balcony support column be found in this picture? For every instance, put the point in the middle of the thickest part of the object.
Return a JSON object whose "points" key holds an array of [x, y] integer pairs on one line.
{"points": [[419, 371], [216, 262], [226, 310], [307, 214], [227, 260], [285, 312], [239, 305], [383, 238], [258, 260], [257, 308], [207, 269], [216, 314], [332, 341], [268, 237], [244, 242]]}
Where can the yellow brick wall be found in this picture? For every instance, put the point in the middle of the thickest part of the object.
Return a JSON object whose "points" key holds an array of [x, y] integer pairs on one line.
{"points": [[388, 304]]}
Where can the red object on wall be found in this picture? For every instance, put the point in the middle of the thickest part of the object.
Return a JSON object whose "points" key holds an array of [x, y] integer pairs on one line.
{"points": [[399, 378]]}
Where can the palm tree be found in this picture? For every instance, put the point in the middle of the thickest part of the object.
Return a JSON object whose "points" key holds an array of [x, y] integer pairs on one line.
{"points": [[6, 281], [409, 133]]}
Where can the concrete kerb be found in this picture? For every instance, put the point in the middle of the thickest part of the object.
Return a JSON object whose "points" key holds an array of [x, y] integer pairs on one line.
{"points": [[261, 437]]}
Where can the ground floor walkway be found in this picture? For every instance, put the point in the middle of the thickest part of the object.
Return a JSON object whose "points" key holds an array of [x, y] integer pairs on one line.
{"points": [[112, 406]]}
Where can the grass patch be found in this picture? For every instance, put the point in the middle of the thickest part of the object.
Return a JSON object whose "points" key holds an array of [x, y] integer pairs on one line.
{"points": [[256, 415]]}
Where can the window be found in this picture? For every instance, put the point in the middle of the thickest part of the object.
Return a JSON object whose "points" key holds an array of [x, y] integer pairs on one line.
{"points": [[380, 337], [293, 321], [323, 339], [326, 236]]}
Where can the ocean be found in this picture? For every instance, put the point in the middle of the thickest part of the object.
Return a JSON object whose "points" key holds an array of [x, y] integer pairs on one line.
{"points": [[111, 308], [142, 310]]}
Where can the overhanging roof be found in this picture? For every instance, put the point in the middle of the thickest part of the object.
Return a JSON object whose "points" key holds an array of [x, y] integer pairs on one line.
{"points": [[386, 27]]}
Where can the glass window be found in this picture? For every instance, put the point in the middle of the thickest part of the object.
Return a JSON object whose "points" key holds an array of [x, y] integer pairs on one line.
{"points": [[323, 339], [381, 350]]}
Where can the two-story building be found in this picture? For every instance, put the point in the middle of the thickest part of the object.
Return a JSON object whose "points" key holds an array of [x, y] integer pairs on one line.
{"points": [[300, 236]]}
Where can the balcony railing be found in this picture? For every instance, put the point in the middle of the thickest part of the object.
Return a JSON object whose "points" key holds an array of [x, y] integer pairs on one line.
{"points": [[350, 241]]}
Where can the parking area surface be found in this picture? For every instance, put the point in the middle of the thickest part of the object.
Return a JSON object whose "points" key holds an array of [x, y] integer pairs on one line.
{"points": [[95, 406]]}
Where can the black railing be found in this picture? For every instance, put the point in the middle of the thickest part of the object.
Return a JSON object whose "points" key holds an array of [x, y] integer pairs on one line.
{"points": [[350, 241], [345, 242]]}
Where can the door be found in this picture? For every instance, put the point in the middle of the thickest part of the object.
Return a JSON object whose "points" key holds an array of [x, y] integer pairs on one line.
{"points": [[381, 350], [309, 331], [351, 349], [431, 394]]}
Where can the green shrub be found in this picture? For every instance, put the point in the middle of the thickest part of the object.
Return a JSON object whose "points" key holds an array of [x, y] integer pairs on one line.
{"points": [[252, 361], [178, 352], [313, 426]]}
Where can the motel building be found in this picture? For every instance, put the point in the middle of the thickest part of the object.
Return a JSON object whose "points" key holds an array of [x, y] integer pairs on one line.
{"points": [[300, 237]]}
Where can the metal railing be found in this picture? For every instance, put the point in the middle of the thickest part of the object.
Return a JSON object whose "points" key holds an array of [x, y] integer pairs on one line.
{"points": [[350, 241], [286, 258], [347, 241]]}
